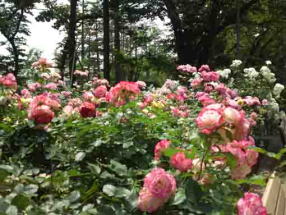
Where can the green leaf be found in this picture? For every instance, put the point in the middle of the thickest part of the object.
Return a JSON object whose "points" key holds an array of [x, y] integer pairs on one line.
{"points": [[169, 152], [12, 210], [79, 156], [75, 195], [256, 180], [180, 197], [119, 168], [21, 201], [109, 189]]}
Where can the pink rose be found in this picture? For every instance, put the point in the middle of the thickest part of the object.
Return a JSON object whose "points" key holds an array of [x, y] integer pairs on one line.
{"points": [[210, 76], [34, 86], [160, 146], [8, 80], [180, 162], [187, 68], [100, 91], [232, 116], [196, 83], [160, 183], [51, 86], [87, 109], [147, 202], [250, 204], [209, 120], [88, 96], [205, 68], [41, 114]]}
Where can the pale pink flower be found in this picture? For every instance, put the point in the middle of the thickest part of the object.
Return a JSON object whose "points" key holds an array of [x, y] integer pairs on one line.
{"points": [[187, 68], [51, 86], [34, 86], [88, 96], [180, 162], [81, 73], [196, 83], [26, 93], [251, 101], [141, 84], [42, 62], [160, 146], [232, 115], [264, 102], [210, 76], [66, 93], [68, 110], [205, 68], [209, 120], [250, 204], [147, 202], [160, 183]]}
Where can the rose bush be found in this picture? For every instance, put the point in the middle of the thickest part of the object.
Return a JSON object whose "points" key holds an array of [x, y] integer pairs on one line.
{"points": [[129, 149]]}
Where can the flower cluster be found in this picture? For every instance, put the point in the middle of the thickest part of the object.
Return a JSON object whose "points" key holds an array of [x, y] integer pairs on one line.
{"points": [[250, 204], [8, 81], [158, 187]]}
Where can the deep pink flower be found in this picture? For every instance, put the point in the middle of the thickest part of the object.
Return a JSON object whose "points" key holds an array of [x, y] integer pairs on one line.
{"points": [[180, 162], [87, 109], [160, 146], [209, 120], [45, 99], [160, 183], [147, 202], [250, 204]]}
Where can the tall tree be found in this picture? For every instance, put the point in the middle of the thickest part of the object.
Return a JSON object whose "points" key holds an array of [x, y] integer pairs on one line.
{"points": [[72, 37], [118, 75], [106, 40]]}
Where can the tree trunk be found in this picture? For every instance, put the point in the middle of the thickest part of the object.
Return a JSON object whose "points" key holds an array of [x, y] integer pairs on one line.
{"points": [[106, 40], [16, 58], [118, 75], [71, 38]]}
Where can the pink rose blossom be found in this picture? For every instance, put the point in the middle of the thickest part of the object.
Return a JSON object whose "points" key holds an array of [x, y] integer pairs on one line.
{"points": [[209, 120], [41, 114], [100, 91], [25, 93], [66, 93], [160, 146], [180, 162], [250, 204], [42, 62], [147, 202], [141, 84], [196, 83], [205, 68], [210, 76], [160, 183], [87, 109], [251, 101], [51, 86], [187, 68], [34, 86], [232, 116], [8, 80], [88, 96]]}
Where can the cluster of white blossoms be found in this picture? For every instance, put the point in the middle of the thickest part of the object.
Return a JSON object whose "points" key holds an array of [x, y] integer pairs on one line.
{"points": [[267, 74], [236, 63], [278, 88], [224, 73], [250, 73]]}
